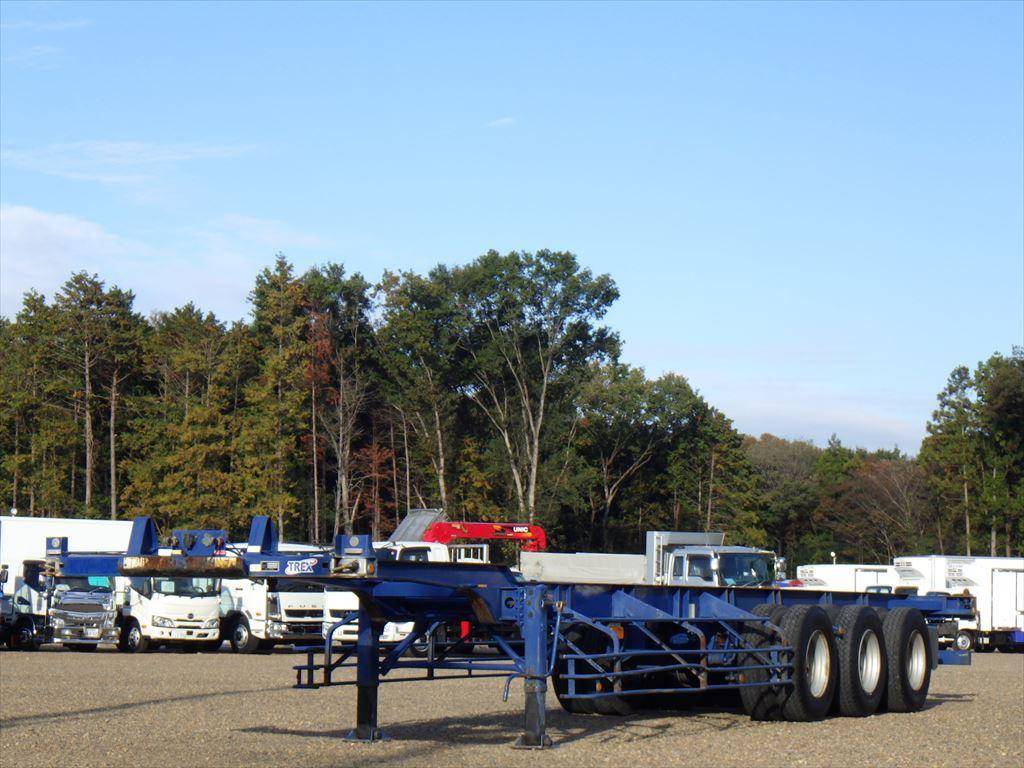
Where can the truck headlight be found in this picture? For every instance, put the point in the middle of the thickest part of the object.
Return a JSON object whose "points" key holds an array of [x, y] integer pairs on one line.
{"points": [[160, 621], [56, 621], [211, 623]]}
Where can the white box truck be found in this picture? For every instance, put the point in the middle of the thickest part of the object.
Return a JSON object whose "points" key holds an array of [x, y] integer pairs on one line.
{"points": [[79, 612], [678, 558], [847, 577], [261, 614], [997, 584]]}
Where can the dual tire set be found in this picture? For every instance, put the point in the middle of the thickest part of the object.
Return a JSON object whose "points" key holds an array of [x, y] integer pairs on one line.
{"points": [[852, 661]]}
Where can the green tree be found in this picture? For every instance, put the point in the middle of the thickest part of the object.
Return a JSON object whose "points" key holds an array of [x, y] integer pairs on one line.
{"points": [[528, 336], [273, 420]]}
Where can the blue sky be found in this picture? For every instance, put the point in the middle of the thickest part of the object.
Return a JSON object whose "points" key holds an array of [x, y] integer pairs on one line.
{"points": [[812, 211]]}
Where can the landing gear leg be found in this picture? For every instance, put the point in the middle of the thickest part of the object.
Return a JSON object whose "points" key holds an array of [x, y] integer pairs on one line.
{"points": [[535, 642], [367, 679]]}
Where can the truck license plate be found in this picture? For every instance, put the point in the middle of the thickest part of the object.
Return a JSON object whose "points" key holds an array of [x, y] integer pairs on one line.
{"points": [[92, 632]]}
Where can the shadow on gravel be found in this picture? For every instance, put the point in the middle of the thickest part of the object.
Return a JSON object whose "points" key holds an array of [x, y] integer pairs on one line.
{"points": [[937, 699], [14, 722], [498, 728]]}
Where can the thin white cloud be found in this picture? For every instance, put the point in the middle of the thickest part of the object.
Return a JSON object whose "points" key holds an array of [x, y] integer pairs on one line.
{"points": [[45, 26], [114, 163], [214, 266], [261, 233], [501, 122], [35, 57]]}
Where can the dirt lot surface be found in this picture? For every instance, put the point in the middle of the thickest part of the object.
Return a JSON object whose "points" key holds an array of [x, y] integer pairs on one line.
{"points": [[170, 709]]}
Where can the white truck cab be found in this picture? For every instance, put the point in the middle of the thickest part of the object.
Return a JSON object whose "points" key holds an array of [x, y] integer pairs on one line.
{"points": [[181, 611], [259, 614]]}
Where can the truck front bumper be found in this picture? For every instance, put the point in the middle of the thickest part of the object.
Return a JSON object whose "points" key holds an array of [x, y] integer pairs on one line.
{"points": [[293, 631], [182, 634], [71, 634]]}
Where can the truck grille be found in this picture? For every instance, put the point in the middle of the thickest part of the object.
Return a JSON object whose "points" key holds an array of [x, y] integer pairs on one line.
{"points": [[82, 607], [303, 613]]}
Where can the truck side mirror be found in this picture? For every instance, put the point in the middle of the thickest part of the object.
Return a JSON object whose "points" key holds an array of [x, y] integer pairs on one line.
{"points": [[3, 575]]}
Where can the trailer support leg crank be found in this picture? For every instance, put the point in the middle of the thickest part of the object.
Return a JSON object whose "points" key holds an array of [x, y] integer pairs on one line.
{"points": [[535, 654], [367, 679]]}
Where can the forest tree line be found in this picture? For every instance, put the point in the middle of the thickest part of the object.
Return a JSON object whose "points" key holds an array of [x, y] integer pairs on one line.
{"points": [[492, 390]]}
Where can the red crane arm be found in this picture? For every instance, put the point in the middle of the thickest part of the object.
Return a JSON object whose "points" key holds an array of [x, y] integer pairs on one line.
{"points": [[533, 537]]}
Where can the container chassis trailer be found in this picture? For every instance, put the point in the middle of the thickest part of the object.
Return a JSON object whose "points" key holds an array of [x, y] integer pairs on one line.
{"points": [[790, 654]]}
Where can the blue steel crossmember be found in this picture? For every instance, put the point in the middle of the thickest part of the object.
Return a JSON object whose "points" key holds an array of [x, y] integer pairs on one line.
{"points": [[602, 646]]}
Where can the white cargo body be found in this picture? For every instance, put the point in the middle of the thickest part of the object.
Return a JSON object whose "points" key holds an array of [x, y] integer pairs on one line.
{"points": [[24, 538], [847, 577], [997, 584], [583, 567]]}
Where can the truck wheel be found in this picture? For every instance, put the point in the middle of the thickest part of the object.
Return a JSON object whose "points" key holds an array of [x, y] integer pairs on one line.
{"points": [[23, 636], [808, 630], [132, 639], [588, 640], [910, 662], [242, 639], [965, 640], [860, 653], [760, 702]]}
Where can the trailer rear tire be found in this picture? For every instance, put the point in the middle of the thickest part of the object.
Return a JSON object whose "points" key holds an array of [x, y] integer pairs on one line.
{"points": [[808, 629], [588, 640], [910, 662], [863, 672], [761, 702]]}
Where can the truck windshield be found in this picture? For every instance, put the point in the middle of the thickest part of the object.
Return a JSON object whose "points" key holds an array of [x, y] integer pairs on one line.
{"points": [[86, 583], [186, 587], [746, 570]]}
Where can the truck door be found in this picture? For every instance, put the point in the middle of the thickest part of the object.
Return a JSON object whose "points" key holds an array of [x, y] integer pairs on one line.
{"points": [[1007, 598], [698, 570]]}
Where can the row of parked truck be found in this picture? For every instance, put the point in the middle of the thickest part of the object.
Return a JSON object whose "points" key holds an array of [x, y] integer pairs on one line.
{"points": [[201, 613]]}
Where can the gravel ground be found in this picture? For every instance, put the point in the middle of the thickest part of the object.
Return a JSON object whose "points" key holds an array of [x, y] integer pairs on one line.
{"points": [[169, 709]]}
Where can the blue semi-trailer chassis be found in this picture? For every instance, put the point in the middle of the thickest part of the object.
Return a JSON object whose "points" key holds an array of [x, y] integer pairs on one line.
{"points": [[616, 644]]}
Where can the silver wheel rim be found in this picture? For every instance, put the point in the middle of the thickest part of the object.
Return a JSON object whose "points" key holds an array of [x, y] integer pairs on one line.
{"points": [[241, 634], [134, 635], [917, 660], [963, 641], [817, 663], [869, 661]]}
